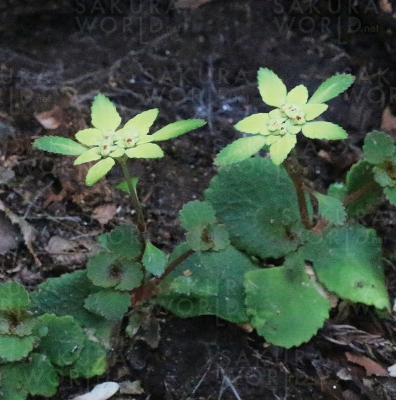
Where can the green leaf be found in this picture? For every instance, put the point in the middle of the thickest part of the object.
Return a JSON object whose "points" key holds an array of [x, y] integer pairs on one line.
{"points": [[142, 122], [90, 136], [337, 190], [378, 147], [220, 237], [214, 285], [131, 275], [89, 155], [361, 176], [390, 194], [13, 296], [124, 185], [298, 95], [92, 361], [104, 114], [252, 124], [347, 260], [272, 89], [240, 149], [59, 145], [109, 304], [313, 110], [154, 259], [331, 208], [124, 241], [331, 88], [64, 340], [147, 150], [280, 149], [99, 269], [323, 130], [177, 128], [197, 213], [36, 376], [256, 201], [65, 296], [13, 348], [99, 170], [196, 241], [285, 306], [382, 177]]}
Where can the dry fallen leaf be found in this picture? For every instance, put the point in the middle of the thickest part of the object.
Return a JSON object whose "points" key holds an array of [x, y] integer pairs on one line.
{"points": [[388, 122], [104, 213], [386, 6], [8, 234], [58, 245], [392, 371], [100, 392], [371, 367], [26, 229], [129, 387], [50, 119]]}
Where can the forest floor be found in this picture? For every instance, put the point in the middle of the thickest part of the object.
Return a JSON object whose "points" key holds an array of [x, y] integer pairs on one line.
{"points": [[190, 63]]}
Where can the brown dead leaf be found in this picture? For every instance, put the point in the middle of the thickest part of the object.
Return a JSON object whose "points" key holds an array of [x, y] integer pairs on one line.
{"points": [[371, 367], [388, 122], [104, 213], [8, 234], [58, 245], [51, 119], [26, 229], [386, 6]]}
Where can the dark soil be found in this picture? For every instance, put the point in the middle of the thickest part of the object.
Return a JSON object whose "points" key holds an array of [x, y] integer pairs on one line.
{"points": [[57, 55]]}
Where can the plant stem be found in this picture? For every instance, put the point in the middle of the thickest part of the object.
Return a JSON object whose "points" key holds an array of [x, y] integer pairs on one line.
{"points": [[294, 170], [141, 224]]}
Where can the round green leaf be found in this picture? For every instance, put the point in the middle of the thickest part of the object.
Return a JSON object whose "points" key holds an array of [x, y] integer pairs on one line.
{"points": [[280, 149], [298, 95], [99, 269], [285, 306], [104, 114], [256, 201], [214, 285], [13, 296], [13, 348], [147, 150], [313, 110], [332, 87], [64, 340], [240, 149], [272, 89], [378, 147], [154, 259], [197, 213], [220, 237], [347, 260], [253, 124], [99, 170], [90, 136], [131, 275], [89, 155], [177, 128], [110, 304], [59, 145], [323, 130]]}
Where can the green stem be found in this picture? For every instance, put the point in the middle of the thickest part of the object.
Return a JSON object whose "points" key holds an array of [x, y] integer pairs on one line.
{"points": [[295, 172], [141, 224]]}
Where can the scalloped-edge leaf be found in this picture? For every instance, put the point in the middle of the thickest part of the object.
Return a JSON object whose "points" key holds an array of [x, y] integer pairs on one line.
{"points": [[64, 340], [332, 87], [14, 348], [378, 147], [272, 90], [109, 304], [253, 123], [104, 114], [197, 213], [324, 130], [285, 306], [347, 261], [99, 269], [390, 194], [13, 296], [209, 283], [240, 149], [59, 145], [176, 129], [142, 122]]}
